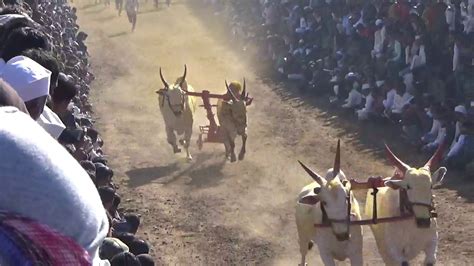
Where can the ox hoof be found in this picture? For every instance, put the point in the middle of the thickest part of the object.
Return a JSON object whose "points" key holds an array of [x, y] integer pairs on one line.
{"points": [[430, 264], [241, 156], [176, 150], [233, 159], [405, 263], [189, 159]]}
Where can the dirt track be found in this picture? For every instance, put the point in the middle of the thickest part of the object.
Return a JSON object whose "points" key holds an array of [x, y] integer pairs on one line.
{"points": [[209, 211]]}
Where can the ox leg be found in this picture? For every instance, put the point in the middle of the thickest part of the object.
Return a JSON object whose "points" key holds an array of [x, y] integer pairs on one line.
{"points": [[327, 258], [395, 257], [186, 141], [171, 137], [229, 147], [357, 260], [242, 150], [233, 158], [430, 252]]}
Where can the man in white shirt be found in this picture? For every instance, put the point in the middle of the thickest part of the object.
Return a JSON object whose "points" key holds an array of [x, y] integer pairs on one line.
{"points": [[355, 97], [390, 98], [379, 39]]}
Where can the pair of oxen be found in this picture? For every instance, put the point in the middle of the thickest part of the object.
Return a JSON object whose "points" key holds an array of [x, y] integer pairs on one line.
{"points": [[330, 201], [177, 108]]}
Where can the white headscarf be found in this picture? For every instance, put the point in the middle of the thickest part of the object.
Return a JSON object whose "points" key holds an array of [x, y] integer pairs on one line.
{"points": [[42, 181], [28, 78]]}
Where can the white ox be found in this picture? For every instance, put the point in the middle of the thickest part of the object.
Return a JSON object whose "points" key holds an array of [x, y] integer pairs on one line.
{"points": [[177, 109], [401, 241], [232, 115], [327, 201]]}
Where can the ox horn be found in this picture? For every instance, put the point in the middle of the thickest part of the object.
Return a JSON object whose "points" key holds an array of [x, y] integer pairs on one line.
{"points": [[163, 80], [314, 175], [244, 90], [437, 156], [394, 160], [337, 161], [230, 91], [184, 76]]}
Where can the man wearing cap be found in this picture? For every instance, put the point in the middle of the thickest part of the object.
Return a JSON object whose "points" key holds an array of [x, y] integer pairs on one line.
{"points": [[30, 80]]}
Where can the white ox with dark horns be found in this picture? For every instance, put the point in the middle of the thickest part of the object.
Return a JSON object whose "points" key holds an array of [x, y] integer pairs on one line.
{"points": [[329, 202], [177, 109], [401, 241], [232, 116]]}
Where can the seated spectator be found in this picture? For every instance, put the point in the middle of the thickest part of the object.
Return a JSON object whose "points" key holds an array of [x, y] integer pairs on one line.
{"points": [[146, 260], [48, 61], [401, 100], [103, 175], [138, 247], [460, 113], [462, 153], [354, 99], [90, 169], [445, 131], [379, 39], [435, 110], [127, 223], [30, 80], [390, 91], [415, 55], [42, 182], [22, 39], [125, 259], [111, 247]]}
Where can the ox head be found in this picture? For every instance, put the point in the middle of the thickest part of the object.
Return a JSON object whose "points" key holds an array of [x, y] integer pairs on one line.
{"points": [[238, 104], [175, 95], [335, 196], [418, 182]]}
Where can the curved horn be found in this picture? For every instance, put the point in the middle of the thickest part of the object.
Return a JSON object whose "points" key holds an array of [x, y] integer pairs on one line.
{"points": [[337, 161], [395, 161], [163, 80], [242, 96], [437, 156], [314, 175], [230, 91], [184, 76]]}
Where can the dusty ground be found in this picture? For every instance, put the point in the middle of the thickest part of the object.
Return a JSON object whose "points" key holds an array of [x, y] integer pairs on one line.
{"points": [[210, 212]]}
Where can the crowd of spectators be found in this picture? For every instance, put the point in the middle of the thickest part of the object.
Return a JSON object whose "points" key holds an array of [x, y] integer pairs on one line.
{"points": [[410, 63], [58, 202]]}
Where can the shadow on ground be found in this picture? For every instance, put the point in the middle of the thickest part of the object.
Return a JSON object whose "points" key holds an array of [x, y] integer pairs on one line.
{"points": [[118, 34], [204, 172]]}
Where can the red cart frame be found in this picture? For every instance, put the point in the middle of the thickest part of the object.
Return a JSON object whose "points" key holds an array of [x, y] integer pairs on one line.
{"points": [[211, 131]]}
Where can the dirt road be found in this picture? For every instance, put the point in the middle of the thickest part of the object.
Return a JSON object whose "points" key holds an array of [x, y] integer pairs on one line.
{"points": [[210, 212]]}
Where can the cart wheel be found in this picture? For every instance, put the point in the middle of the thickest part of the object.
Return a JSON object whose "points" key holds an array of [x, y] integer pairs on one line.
{"points": [[199, 142]]}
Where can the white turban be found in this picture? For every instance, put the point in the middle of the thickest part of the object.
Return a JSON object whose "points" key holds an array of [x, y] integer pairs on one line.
{"points": [[28, 78], [50, 122], [460, 109]]}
